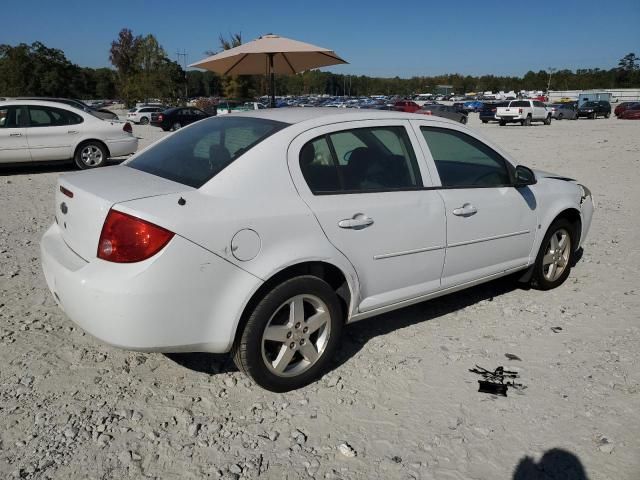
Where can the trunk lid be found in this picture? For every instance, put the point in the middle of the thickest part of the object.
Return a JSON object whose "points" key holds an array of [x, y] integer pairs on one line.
{"points": [[83, 200]]}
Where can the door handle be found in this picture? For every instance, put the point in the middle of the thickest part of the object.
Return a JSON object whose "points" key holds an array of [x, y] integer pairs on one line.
{"points": [[15, 134], [357, 222], [72, 132], [465, 210]]}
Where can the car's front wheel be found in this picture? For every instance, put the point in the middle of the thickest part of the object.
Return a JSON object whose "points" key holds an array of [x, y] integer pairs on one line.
{"points": [[553, 263], [290, 335], [144, 121], [176, 126], [547, 121]]}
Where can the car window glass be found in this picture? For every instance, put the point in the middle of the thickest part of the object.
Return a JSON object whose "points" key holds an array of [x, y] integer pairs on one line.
{"points": [[40, 117], [364, 159], [196, 154], [462, 160], [318, 167], [519, 103]]}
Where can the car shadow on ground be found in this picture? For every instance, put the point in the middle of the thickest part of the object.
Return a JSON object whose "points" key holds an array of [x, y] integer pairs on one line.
{"points": [[555, 464], [356, 335]]}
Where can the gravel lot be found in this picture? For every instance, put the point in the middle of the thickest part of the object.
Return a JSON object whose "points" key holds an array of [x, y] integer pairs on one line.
{"points": [[400, 401]]}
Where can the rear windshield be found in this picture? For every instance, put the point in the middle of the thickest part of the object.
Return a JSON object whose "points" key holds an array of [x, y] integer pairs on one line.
{"points": [[195, 155], [519, 103]]}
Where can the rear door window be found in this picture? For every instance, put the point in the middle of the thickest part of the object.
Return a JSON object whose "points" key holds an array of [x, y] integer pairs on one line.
{"points": [[195, 155], [360, 160]]}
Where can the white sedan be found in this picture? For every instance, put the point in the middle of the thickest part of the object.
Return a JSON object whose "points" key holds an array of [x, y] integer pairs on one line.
{"points": [[263, 233], [39, 131]]}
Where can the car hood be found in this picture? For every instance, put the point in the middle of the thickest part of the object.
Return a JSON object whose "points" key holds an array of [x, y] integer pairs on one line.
{"points": [[543, 174]]}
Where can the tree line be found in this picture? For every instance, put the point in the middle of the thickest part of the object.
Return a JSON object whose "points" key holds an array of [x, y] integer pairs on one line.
{"points": [[142, 70]]}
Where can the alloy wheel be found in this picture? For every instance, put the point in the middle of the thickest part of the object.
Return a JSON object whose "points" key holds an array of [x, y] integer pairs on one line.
{"points": [[557, 254], [91, 156], [296, 335]]}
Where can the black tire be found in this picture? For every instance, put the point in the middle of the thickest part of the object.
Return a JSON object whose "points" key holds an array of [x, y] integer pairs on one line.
{"points": [[560, 116], [547, 121], [176, 126], [165, 129], [485, 121], [527, 121], [538, 278], [90, 154], [463, 120], [248, 349], [594, 115], [144, 121], [607, 115], [502, 123]]}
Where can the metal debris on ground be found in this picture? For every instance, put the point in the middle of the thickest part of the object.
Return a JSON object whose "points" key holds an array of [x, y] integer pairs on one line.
{"points": [[494, 382]]}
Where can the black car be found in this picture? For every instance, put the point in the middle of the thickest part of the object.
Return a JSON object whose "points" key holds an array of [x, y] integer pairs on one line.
{"points": [[102, 113], [177, 117], [600, 108], [488, 112]]}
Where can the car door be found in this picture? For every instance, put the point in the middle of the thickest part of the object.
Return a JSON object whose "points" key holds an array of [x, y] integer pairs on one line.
{"points": [[49, 135], [364, 183], [491, 225], [13, 135]]}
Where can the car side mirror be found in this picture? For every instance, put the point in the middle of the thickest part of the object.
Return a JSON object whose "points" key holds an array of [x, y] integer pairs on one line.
{"points": [[524, 176]]}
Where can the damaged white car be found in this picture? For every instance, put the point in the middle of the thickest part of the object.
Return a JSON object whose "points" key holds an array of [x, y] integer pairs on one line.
{"points": [[263, 233]]}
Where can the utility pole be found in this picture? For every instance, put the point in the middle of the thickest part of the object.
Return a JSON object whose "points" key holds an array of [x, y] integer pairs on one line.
{"points": [[184, 55], [551, 70]]}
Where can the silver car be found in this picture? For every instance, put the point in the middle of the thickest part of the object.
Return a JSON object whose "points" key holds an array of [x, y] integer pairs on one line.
{"points": [[564, 111]]}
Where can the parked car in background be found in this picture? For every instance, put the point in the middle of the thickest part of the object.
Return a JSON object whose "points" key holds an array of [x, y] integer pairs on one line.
{"points": [[242, 233], [39, 131], [233, 106], [444, 111], [175, 118], [631, 113], [523, 112], [407, 106], [97, 112], [564, 111], [488, 111], [595, 109], [473, 106], [142, 115], [621, 107]]}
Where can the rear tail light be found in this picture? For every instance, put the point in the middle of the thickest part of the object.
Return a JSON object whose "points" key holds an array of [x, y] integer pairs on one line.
{"points": [[66, 191], [493, 109], [160, 118], [128, 239], [519, 110], [127, 128], [427, 112]]}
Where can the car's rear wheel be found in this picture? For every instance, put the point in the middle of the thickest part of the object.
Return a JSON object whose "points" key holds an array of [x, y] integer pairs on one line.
{"points": [[547, 121], [485, 121], [594, 115], [527, 121], [290, 335], [176, 126], [560, 116], [502, 123], [607, 115], [553, 263], [463, 120], [90, 154], [144, 121]]}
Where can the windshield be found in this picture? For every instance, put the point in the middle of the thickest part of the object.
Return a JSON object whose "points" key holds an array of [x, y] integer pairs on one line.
{"points": [[589, 104], [195, 155]]}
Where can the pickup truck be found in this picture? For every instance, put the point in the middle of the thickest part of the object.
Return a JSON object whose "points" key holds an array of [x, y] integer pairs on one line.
{"points": [[523, 112]]}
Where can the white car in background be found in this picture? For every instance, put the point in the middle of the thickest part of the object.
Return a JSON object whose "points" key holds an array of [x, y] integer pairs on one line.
{"points": [[142, 115], [262, 233], [39, 131]]}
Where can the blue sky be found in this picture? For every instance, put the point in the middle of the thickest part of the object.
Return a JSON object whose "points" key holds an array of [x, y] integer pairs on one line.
{"points": [[379, 38]]}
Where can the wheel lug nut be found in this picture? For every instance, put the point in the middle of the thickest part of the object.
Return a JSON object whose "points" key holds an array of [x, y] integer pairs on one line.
{"points": [[298, 325], [305, 329], [289, 334], [302, 342], [292, 345]]}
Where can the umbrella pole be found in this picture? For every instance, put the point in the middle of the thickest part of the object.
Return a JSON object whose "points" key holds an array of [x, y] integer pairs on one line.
{"points": [[272, 81]]}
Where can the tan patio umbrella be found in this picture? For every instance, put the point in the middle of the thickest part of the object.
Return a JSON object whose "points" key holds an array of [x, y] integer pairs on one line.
{"points": [[270, 54]]}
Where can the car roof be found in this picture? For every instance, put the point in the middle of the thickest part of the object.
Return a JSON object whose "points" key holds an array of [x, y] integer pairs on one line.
{"points": [[44, 103], [327, 115]]}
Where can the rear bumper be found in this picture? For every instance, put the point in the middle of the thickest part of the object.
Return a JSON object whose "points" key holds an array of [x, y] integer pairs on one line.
{"points": [[182, 299], [122, 147]]}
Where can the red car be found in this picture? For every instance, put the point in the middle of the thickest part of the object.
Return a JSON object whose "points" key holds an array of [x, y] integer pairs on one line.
{"points": [[631, 113], [622, 107], [406, 106]]}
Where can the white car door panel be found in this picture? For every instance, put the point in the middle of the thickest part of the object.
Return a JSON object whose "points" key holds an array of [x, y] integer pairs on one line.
{"points": [[394, 236], [491, 225], [47, 139], [13, 138]]}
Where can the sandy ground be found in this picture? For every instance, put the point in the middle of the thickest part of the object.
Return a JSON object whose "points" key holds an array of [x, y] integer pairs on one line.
{"points": [[400, 393]]}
